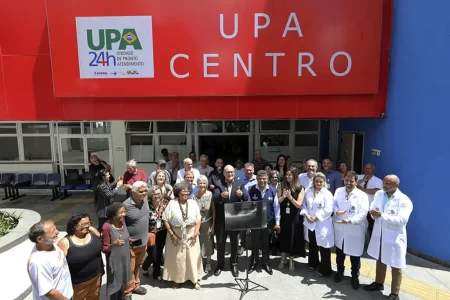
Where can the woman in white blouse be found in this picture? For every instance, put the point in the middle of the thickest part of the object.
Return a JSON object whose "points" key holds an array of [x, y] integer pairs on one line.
{"points": [[182, 219], [317, 208]]}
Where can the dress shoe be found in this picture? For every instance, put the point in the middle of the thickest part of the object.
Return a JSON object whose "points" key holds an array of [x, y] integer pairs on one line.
{"points": [[393, 297], [140, 291], [234, 271], [268, 269], [217, 272], [338, 277], [374, 286], [355, 282], [252, 268]]}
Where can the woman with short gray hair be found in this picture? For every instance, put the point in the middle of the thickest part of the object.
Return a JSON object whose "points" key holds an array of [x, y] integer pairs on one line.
{"points": [[203, 197], [182, 220]]}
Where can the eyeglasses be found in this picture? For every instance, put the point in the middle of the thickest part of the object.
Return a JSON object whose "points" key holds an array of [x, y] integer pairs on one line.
{"points": [[84, 225]]}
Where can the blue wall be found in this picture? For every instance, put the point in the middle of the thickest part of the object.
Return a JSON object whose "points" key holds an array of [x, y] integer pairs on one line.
{"points": [[414, 138]]}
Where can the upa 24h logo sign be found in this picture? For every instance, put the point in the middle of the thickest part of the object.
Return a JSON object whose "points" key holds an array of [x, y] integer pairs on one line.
{"points": [[121, 49]]}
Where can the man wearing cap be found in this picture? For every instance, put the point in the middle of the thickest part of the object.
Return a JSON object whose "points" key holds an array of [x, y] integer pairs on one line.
{"points": [[160, 165]]}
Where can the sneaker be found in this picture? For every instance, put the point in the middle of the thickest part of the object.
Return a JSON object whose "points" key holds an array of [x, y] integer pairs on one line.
{"points": [[208, 268]]}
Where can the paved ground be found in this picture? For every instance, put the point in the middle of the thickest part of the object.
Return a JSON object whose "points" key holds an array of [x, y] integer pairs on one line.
{"points": [[422, 279]]}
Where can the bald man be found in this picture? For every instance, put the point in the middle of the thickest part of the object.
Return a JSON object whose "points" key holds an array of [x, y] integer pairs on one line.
{"points": [[391, 210], [188, 166], [369, 184], [227, 190]]}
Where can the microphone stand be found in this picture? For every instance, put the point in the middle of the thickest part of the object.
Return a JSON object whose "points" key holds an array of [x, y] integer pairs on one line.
{"points": [[244, 282]]}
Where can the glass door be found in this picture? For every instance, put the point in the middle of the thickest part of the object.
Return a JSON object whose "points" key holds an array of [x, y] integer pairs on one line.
{"points": [[75, 151]]}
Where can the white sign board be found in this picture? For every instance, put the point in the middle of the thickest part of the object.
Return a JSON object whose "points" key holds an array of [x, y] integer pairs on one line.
{"points": [[115, 47]]}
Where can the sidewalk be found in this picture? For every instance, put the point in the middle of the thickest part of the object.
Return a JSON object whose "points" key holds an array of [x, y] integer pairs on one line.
{"points": [[422, 279]]}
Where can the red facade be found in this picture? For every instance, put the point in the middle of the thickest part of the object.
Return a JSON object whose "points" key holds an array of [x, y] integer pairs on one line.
{"points": [[27, 88]]}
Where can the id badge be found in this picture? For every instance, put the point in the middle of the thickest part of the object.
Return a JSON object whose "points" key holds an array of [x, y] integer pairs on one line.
{"points": [[288, 210], [158, 224], [328, 186]]}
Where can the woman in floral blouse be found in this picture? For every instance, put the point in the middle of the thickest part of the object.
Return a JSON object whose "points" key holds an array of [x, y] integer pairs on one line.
{"points": [[157, 232]]}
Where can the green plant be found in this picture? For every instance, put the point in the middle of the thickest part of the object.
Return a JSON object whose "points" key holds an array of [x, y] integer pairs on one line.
{"points": [[8, 222]]}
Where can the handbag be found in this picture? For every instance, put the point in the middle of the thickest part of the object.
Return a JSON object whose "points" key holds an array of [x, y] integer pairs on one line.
{"points": [[151, 239]]}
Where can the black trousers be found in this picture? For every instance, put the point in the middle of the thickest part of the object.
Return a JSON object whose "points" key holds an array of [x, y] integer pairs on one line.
{"points": [[155, 254], [117, 295], [101, 221], [261, 240], [313, 257], [370, 221], [221, 237], [243, 238], [355, 261]]}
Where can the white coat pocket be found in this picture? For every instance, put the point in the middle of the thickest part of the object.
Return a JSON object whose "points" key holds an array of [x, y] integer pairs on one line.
{"points": [[354, 230], [390, 236]]}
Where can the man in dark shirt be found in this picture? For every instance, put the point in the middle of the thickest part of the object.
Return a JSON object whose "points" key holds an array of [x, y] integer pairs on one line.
{"points": [[137, 224], [227, 190], [258, 161], [216, 174], [96, 165]]}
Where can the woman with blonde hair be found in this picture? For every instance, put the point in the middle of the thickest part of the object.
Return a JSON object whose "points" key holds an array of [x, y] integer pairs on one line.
{"points": [[319, 232], [161, 181]]}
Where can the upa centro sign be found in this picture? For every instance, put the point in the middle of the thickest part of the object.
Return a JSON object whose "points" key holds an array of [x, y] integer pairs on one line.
{"points": [[187, 48]]}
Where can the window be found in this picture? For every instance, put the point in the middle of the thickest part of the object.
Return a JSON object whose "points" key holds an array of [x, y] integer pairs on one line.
{"points": [[11, 151], [8, 128], [237, 126], [171, 126], [37, 148], [141, 148], [275, 125], [87, 128], [306, 140], [139, 127], [306, 125], [69, 128], [174, 143], [35, 128], [209, 126], [273, 145], [306, 146], [101, 127]]}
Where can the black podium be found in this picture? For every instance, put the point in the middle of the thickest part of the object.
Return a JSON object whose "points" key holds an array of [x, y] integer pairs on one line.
{"points": [[243, 216]]}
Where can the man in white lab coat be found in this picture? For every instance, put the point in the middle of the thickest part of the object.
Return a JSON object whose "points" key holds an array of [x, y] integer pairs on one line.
{"points": [[351, 206], [391, 210]]}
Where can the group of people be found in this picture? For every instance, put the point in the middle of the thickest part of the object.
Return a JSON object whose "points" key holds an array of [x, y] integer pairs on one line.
{"points": [[173, 217]]}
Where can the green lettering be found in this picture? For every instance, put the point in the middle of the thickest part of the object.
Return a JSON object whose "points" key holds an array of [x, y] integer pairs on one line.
{"points": [[130, 38], [101, 40], [112, 36]]}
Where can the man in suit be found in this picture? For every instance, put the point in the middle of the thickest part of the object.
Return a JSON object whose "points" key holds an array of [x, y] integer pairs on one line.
{"points": [[227, 190], [261, 237]]}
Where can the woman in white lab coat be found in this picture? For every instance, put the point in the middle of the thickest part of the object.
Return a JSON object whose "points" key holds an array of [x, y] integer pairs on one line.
{"points": [[317, 208]]}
